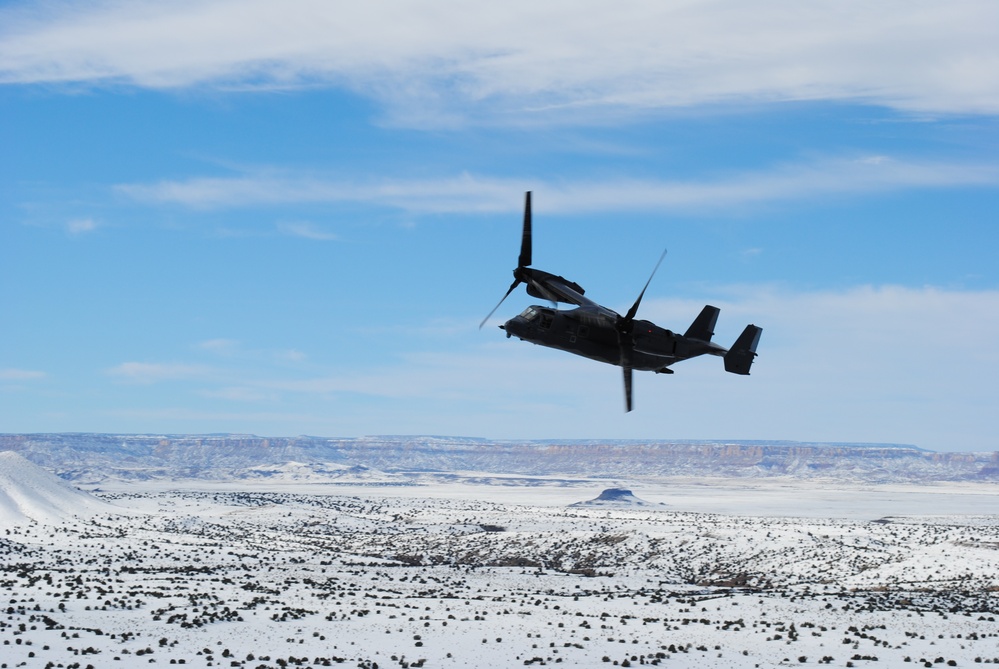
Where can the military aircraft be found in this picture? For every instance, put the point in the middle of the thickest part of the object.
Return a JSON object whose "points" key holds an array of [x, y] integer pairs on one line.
{"points": [[596, 332]]}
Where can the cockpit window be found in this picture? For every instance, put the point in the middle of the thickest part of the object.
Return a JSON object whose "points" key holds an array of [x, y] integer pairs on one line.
{"points": [[529, 313]]}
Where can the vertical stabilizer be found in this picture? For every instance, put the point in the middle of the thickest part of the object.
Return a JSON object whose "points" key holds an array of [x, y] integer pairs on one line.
{"points": [[703, 327], [739, 358]]}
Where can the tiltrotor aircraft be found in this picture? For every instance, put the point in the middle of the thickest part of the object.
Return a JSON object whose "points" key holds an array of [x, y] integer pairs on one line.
{"points": [[596, 332]]}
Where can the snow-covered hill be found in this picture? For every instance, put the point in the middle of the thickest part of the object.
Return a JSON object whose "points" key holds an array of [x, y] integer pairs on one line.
{"points": [[28, 492]]}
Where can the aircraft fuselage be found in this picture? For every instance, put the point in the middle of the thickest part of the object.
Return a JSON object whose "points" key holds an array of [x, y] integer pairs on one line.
{"points": [[595, 336]]}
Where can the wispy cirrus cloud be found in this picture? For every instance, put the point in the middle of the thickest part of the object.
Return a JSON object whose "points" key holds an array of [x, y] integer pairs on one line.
{"points": [[857, 364], [306, 230], [80, 226], [239, 394], [220, 346], [233, 348], [154, 372], [860, 364], [468, 193], [21, 375], [437, 61]]}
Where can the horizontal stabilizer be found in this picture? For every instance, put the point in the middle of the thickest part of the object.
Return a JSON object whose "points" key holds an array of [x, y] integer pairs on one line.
{"points": [[739, 358], [703, 327]]}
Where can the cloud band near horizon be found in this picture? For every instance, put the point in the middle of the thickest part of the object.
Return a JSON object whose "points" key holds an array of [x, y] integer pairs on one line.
{"points": [[468, 193]]}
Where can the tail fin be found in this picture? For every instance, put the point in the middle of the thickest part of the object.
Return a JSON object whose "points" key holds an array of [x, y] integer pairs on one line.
{"points": [[740, 357], [703, 327]]}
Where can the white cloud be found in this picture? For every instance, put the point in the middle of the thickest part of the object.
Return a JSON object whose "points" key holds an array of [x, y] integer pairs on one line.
{"points": [[220, 346], [290, 355], [152, 372], [230, 348], [468, 194], [21, 375], [306, 230], [433, 61], [181, 419], [80, 226], [871, 363], [477, 380], [239, 394], [458, 194]]}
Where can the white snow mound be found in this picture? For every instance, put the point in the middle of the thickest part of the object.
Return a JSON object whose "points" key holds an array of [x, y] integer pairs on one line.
{"points": [[28, 492]]}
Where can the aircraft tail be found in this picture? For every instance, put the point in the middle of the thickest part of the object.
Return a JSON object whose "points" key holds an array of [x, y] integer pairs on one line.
{"points": [[703, 327], [739, 358]]}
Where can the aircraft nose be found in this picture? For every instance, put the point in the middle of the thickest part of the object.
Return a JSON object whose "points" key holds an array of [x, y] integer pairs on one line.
{"points": [[512, 328]]}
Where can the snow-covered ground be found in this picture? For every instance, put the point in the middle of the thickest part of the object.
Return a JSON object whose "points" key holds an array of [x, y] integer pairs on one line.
{"points": [[459, 575]]}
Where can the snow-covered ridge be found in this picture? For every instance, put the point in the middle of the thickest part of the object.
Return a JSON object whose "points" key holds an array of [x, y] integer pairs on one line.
{"points": [[94, 458], [28, 492]]}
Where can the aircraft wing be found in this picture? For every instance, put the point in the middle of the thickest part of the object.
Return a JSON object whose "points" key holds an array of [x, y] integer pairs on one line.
{"points": [[552, 287], [567, 294], [655, 353]]}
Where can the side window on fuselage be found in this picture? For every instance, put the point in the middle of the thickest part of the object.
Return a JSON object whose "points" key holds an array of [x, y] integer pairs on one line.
{"points": [[546, 320]]}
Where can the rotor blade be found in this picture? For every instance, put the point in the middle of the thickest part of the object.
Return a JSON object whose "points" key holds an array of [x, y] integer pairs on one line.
{"points": [[515, 283], [630, 316], [525, 240], [626, 348], [627, 389]]}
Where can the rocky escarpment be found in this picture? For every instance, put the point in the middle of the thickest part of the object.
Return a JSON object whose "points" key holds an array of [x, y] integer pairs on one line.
{"points": [[93, 457]]}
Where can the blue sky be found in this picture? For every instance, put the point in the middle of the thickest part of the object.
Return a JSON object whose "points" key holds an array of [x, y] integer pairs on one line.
{"points": [[290, 219]]}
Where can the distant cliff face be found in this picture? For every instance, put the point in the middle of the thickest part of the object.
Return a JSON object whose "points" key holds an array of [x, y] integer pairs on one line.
{"points": [[95, 457]]}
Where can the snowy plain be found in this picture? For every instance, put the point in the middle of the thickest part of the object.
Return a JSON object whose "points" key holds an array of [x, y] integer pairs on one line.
{"points": [[500, 574]]}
